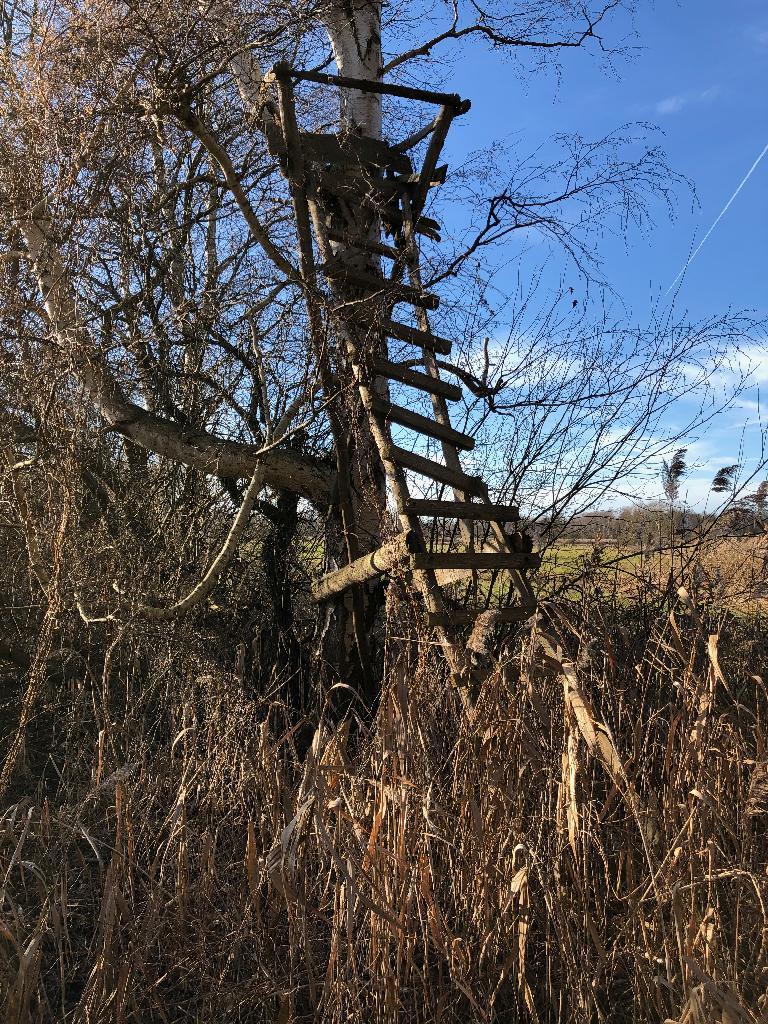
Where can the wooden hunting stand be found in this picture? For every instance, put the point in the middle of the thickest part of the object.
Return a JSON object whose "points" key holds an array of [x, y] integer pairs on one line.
{"points": [[346, 189]]}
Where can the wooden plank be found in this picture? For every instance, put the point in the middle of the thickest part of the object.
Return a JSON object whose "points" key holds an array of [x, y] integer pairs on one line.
{"points": [[422, 424], [411, 335], [435, 471], [367, 567], [415, 379], [475, 560], [392, 218], [463, 510], [379, 197], [394, 291], [363, 244], [354, 151], [438, 177], [383, 88], [462, 617], [415, 336], [375, 192], [436, 143]]}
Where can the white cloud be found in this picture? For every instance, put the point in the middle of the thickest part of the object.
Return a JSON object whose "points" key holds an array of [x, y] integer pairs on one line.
{"points": [[671, 105], [674, 104]]}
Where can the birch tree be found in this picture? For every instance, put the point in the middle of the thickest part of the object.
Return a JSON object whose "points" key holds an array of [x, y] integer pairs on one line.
{"points": [[150, 269]]}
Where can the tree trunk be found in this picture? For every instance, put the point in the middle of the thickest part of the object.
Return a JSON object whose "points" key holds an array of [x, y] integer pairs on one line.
{"points": [[351, 639]]}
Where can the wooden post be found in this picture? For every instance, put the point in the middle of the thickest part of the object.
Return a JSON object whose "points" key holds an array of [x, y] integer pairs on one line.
{"points": [[368, 567]]}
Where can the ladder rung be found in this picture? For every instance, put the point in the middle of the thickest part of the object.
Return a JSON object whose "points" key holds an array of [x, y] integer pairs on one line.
{"points": [[461, 617], [414, 336], [416, 379], [463, 510], [411, 335], [475, 560], [422, 424], [364, 244], [443, 474], [395, 291]]}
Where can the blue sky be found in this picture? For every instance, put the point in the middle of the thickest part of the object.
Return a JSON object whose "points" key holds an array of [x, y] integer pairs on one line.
{"points": [[698, 69]]}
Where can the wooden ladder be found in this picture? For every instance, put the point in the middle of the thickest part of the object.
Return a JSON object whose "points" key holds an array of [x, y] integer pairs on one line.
{"points": [[345, 189]]}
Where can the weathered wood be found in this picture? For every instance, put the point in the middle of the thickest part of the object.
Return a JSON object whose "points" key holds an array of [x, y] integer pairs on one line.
{"points": [[379, 197], [343, 150], [394, 290], [463, 510], [392, 218], [346, 183], [411, 335], [275, 140], [415, 379], [422, 424], [354, 151], [475, 560], [361, 188], [415, 336], [464, 617], [368, 567], [363, 244], [434, 149], [438, 177], [405, 92], [436, 471]]}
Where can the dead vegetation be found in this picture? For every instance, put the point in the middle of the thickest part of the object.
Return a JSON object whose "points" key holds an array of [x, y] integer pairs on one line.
{"points": [[220, 801], [588, 844]]}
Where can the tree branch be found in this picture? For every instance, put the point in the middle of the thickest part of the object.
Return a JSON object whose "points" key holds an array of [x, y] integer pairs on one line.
{"points": [[486, 31]]}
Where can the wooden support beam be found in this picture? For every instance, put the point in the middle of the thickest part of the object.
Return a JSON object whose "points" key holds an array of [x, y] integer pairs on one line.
{"points": [[364, 244], [434, 149], [417, 136], [393, 219], [463, 510], [438, 177], [422, 424], [415, 379], [381, 198], [383, 88], [475, 560], [435, 471], [368, 567]]}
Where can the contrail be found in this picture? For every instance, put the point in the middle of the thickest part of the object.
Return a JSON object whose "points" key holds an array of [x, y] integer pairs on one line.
{"points": [[743, 182]]}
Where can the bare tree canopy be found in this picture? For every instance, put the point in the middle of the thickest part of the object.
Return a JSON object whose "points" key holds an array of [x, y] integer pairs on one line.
{"points": [[156, 304]]}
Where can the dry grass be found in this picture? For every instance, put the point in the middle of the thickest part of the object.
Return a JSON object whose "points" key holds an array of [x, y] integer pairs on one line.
{"points": [[729, 572], [577, 850]]}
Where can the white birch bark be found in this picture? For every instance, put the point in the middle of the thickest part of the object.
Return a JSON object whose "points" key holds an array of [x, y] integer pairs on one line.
{"points": [[354, 29]]}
